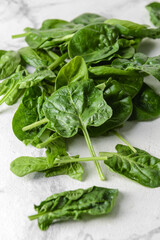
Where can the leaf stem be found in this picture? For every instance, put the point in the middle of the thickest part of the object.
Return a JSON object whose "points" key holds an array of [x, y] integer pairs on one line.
{"points": [[58, 61], [125, 141], [49, 140], [20, 35], [85, 159], [35, 124], [93, 154]]}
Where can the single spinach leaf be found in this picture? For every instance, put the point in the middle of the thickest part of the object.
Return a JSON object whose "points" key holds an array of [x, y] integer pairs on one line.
{"points": [[88, 18], [121, 105], [75, 70], [36, 77], [9, 61], [53, 23], [74, 205], [140, 62], [140, 166], [154, 11], [94, 42], [26, 114], [146, 105], [131, 29], [77, 105], [31, 57]]}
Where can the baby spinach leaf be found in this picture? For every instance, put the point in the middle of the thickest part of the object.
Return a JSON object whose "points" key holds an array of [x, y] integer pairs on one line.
{"points": [[128, 28], [36, 77], [140, 166], [140, 62], [25, 165], [10, 87], [77, 105], [121, 105], [154, 11], [9, 61], [75, 70], [74, 205], [53, 23], [94, 42], [38, 37], [26, 114], [31, 57], [74, 170], [146, 105], [88, 18]]}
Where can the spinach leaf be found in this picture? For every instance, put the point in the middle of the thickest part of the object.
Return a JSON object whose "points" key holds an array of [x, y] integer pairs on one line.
{"points": [[146, 105], [26, 114], [74, 205], [121, 105], [9, 61], [53, 23], [131, 29], [75, 106], [75, 70], [10, 86], [88, 18], [94, 42], [140, 166], [38, 37], [140, 62], [36, 77], [31, 57], [25, 165], [154, 11]]}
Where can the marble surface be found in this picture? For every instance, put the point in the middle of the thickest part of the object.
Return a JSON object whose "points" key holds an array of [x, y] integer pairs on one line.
{"points": [[136, 215]]}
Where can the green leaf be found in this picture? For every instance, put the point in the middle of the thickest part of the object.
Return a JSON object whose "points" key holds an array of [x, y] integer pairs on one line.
{"points": [[88, 18], [128, 28], [140, 166], [75, 70], [146, 105], [26, 114], [36, 77], [140, 62], [154, 11], [74, 205], [31, 57], [77, 105], [121, 105], [9, 61], [53, 23], [24, 165], [94, 42]]}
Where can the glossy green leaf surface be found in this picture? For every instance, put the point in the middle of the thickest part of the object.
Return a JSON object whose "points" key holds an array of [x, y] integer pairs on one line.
{"points": [[140, 166], [121, 105], [75, 106], [94, 42], [88, 18], [146, 105], [75, 70], [74, 205], [9, 61], [154, 12]]}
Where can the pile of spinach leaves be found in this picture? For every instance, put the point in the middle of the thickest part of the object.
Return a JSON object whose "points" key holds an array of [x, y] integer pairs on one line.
{"points": [[89, 79]]}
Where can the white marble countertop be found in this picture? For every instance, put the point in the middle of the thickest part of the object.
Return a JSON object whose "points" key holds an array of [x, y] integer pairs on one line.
{"points": [[136, 215]]}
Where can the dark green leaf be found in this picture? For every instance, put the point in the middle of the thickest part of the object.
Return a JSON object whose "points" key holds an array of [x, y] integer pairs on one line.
{"points": [[94, 42], [88, 18], [146, 105], [8, 63], [140, 166], [77, 105], [74, 205], [75, 70], [154, 11]]}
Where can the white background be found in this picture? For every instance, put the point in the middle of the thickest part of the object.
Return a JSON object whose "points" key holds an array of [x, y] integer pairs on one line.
{"points": [[136, 215]]}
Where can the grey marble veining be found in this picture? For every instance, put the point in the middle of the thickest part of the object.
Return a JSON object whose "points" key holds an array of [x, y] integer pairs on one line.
{"points": [[137, 211]]}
